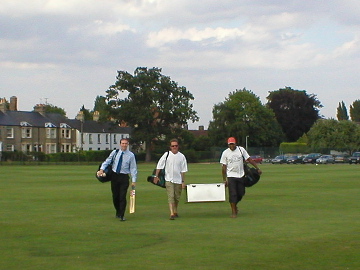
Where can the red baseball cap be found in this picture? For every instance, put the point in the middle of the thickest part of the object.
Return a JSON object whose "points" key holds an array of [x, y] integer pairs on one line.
{"points": [[231, 140]]}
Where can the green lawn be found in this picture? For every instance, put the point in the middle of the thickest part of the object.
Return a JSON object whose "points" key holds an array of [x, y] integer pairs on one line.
{"points": [[296, 217]]}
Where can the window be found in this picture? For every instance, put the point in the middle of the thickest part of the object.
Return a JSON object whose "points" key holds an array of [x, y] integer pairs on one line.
{"points": [[99, 138], [25, 124], [115, 139], [25, 147], [50, 148], [26, 132], [66, 133], [66, 147], [51, 133], [90, 139], [9, 133], [10, 147], [38, 148], [107, 138]]}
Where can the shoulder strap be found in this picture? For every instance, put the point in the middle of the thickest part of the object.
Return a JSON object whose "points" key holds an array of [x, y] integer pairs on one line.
{"points": [[166, 158], [241, 154], [113, 157]]}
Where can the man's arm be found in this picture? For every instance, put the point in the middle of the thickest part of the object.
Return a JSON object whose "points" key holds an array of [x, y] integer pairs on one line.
{"points": [[252, 162], [224, 174]]}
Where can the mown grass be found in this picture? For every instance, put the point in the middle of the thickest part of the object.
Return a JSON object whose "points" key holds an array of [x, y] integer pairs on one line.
{"points": [[297, 217]]}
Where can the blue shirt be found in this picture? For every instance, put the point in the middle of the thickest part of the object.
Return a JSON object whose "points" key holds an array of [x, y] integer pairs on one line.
{"points": [[128, 165]]}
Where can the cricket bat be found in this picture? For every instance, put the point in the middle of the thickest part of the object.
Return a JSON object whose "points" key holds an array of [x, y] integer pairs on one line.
{"points": [[132, 201]]}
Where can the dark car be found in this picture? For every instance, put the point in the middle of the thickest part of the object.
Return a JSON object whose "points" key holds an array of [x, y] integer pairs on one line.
{"points": [[294, 159], [278, 160], [341, 158], [311, 158], [257, 159], [355, 158], [325, 159]]}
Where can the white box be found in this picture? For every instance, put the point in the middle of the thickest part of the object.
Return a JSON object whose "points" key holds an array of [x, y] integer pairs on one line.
{"points": [[205, 192]]}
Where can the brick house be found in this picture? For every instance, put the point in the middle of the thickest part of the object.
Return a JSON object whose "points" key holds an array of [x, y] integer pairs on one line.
{"points": [[38, 131]]}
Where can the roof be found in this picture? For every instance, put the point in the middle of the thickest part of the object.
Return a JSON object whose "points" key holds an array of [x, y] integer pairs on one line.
{"points": [[36, 119]]}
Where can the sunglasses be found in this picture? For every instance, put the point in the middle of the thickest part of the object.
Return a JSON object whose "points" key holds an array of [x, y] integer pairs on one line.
{"points": [[174, 145]]}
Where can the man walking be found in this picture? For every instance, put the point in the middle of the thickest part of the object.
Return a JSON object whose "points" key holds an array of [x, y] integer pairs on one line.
{"points": [[175, 165], [232, 160], [123, 165]]}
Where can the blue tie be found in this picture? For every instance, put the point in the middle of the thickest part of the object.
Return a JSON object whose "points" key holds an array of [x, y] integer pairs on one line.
{"points": [[118, 168]]}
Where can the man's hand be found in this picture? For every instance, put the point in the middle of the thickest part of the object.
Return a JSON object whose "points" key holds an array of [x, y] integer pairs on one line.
{"points": [[101, 173]]}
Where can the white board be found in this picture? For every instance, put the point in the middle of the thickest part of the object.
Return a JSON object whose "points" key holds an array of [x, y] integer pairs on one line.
{"points": [[205, 192]]}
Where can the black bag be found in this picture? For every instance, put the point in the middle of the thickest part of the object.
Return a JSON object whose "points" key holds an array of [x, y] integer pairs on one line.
{"points": [[161, 182], [108, 170], [252, 176]]}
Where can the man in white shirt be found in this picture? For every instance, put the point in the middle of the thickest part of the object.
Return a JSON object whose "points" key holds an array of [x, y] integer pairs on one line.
{"points": [[175, 165], [232, 160]]}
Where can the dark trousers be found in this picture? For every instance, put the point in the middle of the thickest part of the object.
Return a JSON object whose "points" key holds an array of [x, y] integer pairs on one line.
{"points": [[119, 187], [236, 189]]}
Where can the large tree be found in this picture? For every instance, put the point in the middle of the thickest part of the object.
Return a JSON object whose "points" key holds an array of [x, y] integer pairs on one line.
{"points": [[355, 111], [295, 110], [342, 112], [333, 134], [151, 103], [242, 115]]}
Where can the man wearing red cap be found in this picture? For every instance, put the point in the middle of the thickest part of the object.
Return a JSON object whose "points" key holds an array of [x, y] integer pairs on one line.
{"points": [[232, 160]]}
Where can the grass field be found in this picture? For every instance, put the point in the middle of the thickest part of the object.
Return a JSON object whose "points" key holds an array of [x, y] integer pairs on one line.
{"points": [[296, 217]]}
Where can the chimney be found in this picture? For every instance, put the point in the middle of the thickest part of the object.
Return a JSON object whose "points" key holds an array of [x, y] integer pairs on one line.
{"points": [[13, 104], [40, 108], [201, 128], [3, 107], [96, 116], [80, 116]]}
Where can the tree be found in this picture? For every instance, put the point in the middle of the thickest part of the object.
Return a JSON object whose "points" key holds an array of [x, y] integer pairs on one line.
{"points": [[342, 112], [49, 108], [87, 114], [151, 103], [355, 111], [242, 115], [103, 108], [295, 110], [338, 135]]}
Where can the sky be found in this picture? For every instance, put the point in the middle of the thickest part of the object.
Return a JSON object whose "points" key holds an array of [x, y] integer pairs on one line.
{"points": [[68, 52]]}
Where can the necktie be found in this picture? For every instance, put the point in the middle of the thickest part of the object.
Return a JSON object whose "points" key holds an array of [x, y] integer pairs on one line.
{"points": [[118, 168]]}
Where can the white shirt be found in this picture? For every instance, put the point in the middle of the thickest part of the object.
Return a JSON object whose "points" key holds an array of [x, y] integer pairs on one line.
{"points": [[175, 165], [234, 161]]}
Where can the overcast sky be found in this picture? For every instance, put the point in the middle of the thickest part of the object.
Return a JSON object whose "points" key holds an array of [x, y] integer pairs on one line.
{"points": [[67, 52]]}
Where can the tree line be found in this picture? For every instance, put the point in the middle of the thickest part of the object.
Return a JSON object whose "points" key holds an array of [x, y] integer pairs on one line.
{"points": [[157, 109]]}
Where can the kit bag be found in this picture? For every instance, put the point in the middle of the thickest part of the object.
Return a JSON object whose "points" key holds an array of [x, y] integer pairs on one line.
{"points": [[252, 176], [161, 182], [108, 170]]}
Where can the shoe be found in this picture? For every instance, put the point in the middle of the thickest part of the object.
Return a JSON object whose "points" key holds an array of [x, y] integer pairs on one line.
{"points": [[122, 219], [172, 217], [176, 215]]}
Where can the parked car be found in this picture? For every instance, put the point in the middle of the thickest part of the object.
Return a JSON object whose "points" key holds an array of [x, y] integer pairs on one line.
{"points": [[355, 158], [341, 158], [325, 159], [311, 158], [257, 159], [278, 160], [294, 159]]}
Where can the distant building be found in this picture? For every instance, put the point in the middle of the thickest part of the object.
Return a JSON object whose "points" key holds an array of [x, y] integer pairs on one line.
{"points": [[38, 131], [199, 132]]}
